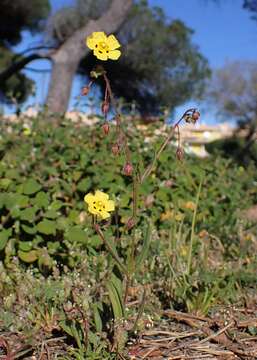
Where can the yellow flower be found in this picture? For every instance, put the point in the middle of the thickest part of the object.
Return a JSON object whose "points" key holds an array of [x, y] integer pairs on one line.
{"points": [[26, 131], [99, 204], [104, 47]]}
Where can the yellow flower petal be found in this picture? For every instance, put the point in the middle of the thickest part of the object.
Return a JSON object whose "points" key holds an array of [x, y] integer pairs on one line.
{"points": [[112, 42], [100, 55], [93, 39], [101, 196], [89, 198], [92, 210], [109, 206], [114, 54], [105, 215]]}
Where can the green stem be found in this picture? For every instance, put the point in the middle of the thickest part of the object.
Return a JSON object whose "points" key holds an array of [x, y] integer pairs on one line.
{"points": [[114, 255], [192, 236]]}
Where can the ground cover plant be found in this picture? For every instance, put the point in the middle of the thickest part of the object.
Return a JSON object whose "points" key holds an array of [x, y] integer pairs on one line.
{"points": [[61, 286]]}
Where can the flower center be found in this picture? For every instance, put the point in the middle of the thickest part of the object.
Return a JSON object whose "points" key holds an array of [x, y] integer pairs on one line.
{"points": [[102, 46], [99, 206]]}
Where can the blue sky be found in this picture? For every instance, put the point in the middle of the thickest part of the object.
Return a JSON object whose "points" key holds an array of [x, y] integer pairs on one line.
{"points": [[223, 31]]}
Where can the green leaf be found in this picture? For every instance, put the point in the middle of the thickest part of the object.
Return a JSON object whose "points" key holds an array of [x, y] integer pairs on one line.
{"points": [[47, 227], [14, 200], [56, 205], [97, 318], [51, 214], [41, 200], [4, 183], [4, 236], [114, 288], [31, 186], [28, 229], [25, 245], [84, 185], [28, 214], [28, 257], [76, 234]]}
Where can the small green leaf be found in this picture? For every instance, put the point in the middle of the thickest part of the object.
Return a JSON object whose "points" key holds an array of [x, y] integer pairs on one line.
{"points": [[84, 185], [41, 200], [47, 227], [31, 186], [4, 236], [4, 183], [56, 205], [28, 229], [25, 245], [51, 214], [76, 234], [28, 214], [28, 257]]}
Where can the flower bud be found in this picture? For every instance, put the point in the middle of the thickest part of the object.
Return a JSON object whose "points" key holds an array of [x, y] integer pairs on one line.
{"points": [[106, 128], [131, 223], [180, 153], [195, 116], [105, 107], [85, 90], [115, 149], [128, 169]]}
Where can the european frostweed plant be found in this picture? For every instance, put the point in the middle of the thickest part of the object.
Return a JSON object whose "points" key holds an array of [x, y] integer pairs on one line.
{"points": [[106, 47]]}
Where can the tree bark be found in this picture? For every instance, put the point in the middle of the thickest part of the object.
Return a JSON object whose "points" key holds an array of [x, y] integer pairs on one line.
{"points": [[66, 59]]}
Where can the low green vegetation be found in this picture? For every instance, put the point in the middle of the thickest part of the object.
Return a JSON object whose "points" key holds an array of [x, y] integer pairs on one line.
{"points": [[59, 280]]}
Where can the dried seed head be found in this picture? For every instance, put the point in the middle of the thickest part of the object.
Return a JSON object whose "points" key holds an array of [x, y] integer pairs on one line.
{"points": [[85, 90], [106, 128], [180, 153], [115, 149], [128, 169], [105, 107]]}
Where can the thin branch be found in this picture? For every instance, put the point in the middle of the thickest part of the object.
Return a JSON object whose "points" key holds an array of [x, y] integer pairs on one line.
{"points": [[19, 65]]}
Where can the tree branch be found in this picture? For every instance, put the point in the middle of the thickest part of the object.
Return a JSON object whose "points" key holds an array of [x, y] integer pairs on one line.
{"points": [[17, 66]]}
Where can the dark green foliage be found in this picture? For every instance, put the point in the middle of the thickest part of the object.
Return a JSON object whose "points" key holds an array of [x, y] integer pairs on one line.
{"points": [[19, 15], [16, 88], [15, 17], [45, 175], [234, 148]]}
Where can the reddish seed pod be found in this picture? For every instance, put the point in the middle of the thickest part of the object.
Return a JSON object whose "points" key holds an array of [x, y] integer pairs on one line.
{"points": [[85, 90], [105, 107], [106, 128], [128, 169], [195, 116], [131, 223], [115, 149], [180, 153]]}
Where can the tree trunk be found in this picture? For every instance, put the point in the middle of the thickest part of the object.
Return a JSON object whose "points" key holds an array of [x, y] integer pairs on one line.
{"points": [[59, 91], [67, 57]]}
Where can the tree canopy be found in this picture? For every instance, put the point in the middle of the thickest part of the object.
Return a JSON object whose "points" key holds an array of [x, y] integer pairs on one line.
{"points": [[15, 17], [233, 91]]}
